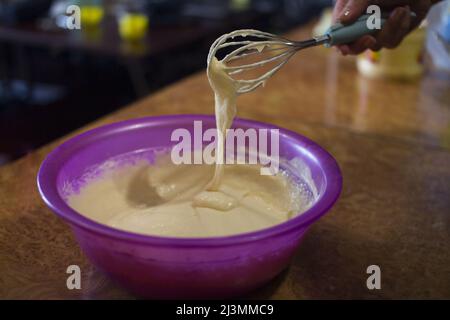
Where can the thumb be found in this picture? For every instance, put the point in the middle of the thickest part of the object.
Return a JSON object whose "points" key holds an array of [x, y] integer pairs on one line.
{"points": [[352, 11]]}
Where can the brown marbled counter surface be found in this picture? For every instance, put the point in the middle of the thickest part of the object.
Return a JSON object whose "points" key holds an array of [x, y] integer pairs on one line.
{"points": [[392, 141]]}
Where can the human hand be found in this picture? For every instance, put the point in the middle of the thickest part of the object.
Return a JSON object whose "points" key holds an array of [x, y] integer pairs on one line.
{"points": [[398, 25]]}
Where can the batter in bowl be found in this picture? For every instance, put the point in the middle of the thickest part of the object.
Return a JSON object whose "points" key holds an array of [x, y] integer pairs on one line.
{"points": [[165, 199]]}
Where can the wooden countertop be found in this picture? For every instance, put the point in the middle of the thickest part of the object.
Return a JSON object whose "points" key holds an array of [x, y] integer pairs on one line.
{"points": [[392, 141]]}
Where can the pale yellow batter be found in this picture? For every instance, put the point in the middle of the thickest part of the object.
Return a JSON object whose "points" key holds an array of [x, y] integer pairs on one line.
{"points": [[225, 95], [168, 200], [193, 200]]}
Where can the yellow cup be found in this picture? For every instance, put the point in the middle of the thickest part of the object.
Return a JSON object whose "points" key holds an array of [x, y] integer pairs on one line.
{"points": [[240, 4], [133, 26], [91, 15]]}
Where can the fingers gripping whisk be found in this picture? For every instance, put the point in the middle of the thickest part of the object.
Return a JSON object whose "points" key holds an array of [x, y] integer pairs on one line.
{"points": [[271, 52]]}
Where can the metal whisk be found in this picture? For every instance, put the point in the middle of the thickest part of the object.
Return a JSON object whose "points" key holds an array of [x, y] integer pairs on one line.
{"points": [[252, 43], [282, 49]]}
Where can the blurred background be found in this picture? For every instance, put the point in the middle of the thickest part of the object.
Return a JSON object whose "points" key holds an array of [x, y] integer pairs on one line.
{"points": [[55, 78], [58, 73]]}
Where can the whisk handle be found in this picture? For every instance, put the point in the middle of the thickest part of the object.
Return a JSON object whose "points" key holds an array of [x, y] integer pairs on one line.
{"points": [[341, 34]]}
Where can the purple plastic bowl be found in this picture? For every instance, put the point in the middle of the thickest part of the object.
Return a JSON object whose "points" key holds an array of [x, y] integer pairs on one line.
{"points": [[163, 267]]}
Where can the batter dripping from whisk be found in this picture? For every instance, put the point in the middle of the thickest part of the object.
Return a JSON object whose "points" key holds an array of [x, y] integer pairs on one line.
{"points": [[226, 89], [225, 95], [183, 201]]}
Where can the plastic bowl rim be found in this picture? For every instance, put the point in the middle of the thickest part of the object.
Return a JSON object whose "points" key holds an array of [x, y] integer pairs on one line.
{"points": [[47, 175]]}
